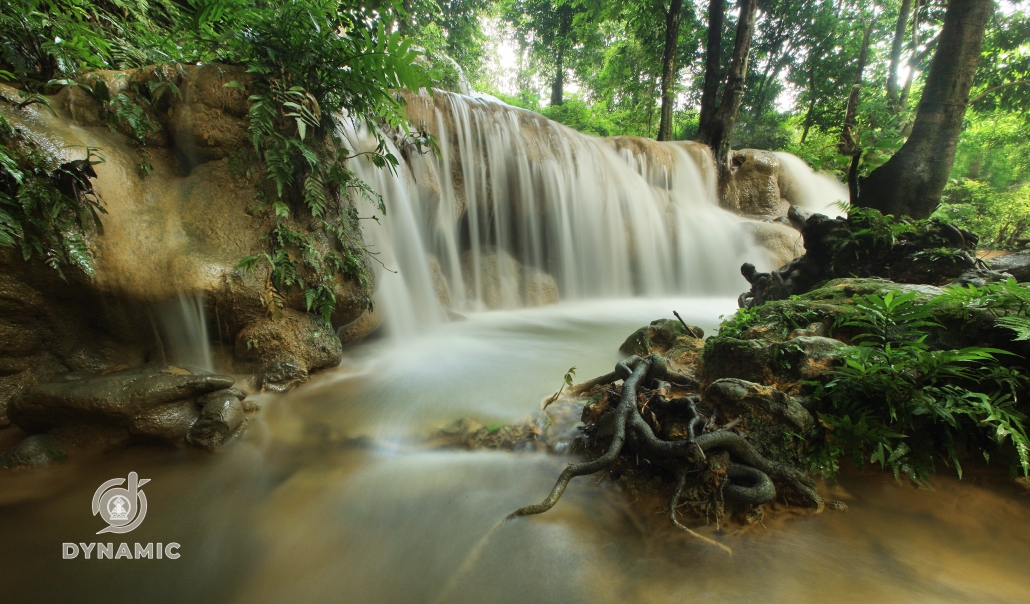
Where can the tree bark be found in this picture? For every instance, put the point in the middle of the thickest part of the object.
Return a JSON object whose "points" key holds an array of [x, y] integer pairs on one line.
{"points": [[558, 84], [913, 61], [672, 34], [896, 47], [713, 77], [725, 117], [847, 144], [912, 181]]}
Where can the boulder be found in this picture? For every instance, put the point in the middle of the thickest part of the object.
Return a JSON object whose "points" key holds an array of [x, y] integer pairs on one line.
{"points": [[1017, 265], [142, 404], [661, 336], [806, 357], [503, 282], [754, 186], [221, 418], [35, 451], [283, 350], [734, 358]]}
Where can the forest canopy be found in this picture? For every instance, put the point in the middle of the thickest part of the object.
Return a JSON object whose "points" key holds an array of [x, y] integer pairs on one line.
{"points": [[836, 82]]}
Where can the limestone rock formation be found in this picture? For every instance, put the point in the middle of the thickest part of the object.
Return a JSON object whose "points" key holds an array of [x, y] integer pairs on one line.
{"points": [[126, 406], [283, 350], [503, 282]]}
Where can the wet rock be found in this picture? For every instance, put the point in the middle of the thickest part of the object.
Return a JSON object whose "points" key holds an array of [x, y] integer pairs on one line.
{"points": [[754, 186], [770, 418], [781, 241], [806, 357], [732, 358], [798, 216], [440, 286], [363, 326], [221, 419], [979, 277], [503, 282], [129, 405], [1017, 265], [33, 452], [281, 376], [210, 118], [932, 266], [660, 336], [538, 288], [284, 350]]}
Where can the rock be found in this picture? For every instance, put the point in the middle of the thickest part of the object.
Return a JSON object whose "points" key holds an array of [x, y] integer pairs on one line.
{"points": [[221, 419], [732, 358], [538, 288], [782, 242], [798, 216], [932, 266], [443, 291], [754, 186], [4, 420], [1017, 265], [661, 336], [502, 281], [284, 350], [769, 418], [807, 357], [209, 120], [368, 322], [814, 329], [979, 277], [33, 452], [281, 376], [157, 404]]}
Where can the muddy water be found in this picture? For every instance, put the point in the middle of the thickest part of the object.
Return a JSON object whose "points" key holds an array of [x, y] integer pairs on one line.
{"points": [[327, 500]]}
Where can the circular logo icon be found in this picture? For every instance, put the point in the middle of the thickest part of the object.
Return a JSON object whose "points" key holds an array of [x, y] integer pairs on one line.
{"points": [[122, 508]]}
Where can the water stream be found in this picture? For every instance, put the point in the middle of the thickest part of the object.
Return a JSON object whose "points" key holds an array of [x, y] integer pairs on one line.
{"points": [[330, 499]]}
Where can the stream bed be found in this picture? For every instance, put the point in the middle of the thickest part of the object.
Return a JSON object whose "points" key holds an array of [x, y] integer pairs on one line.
{"points": [[329, 498]]}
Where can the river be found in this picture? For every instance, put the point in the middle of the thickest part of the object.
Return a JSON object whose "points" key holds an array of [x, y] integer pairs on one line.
{"points": [[330, 498]]}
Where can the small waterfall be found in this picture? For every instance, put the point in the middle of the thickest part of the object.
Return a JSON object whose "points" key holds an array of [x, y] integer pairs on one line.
{"points": [[184, 332], [517, 210], [811, 190]]}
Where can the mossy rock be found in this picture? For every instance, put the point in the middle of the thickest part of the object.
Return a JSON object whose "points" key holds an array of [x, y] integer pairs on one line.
{"points": [[661, 336]]}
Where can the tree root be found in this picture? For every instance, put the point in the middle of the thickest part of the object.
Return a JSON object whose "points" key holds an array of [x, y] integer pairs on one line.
{"points": [[750, 476]]}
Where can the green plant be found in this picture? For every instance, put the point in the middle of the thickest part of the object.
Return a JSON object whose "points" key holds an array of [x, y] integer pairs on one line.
{"points": [[308, 62], [46, 208], [897, 402], [1008, 302]]}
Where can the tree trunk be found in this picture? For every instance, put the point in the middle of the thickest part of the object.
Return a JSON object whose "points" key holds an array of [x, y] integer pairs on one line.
{"points": [[713, 57], [725, 117], [912, 181], [558, 85], [847, 144], [672, 34], [896, 47], [913, 61]]}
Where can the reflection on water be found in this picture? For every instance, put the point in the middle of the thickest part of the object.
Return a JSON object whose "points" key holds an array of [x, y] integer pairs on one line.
{"points": [[291, 515]]}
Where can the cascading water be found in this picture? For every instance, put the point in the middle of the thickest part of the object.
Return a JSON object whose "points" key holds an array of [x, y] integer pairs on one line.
{"points": [[184, 332], [517, 208]]}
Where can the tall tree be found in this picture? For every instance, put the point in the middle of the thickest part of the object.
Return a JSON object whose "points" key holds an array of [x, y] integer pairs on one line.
{"points": [[713, 67], [848, 145], [911, 182], [718, 130], [672, 35], [897, 45]]}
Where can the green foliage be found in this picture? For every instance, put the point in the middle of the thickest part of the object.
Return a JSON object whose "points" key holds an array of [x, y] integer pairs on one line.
{"points": [[46, 209], [309, 61], [897, 402], [1008, 303]]}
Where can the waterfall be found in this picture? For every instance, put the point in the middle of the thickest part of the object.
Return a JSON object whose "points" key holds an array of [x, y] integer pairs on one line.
{"points": [[184, 332], [516, 210]]}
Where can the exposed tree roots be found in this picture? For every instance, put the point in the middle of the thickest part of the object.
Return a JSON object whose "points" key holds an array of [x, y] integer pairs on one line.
{"points": [[748, 479]]}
